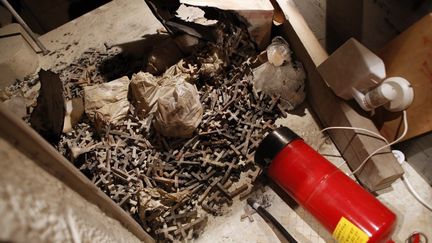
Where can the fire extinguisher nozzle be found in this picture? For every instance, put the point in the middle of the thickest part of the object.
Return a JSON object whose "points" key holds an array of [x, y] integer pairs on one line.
{"points": [[272, 144]]}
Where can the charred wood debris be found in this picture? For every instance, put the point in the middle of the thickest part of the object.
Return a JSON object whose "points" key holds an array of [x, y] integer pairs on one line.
{"points": [[170, 185]]}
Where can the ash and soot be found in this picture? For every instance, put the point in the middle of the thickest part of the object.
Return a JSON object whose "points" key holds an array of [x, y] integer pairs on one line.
{"points": [[170, 184]]}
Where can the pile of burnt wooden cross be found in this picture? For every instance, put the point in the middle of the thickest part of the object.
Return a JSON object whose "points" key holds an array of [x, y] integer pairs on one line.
{"points": [[170, 185]]}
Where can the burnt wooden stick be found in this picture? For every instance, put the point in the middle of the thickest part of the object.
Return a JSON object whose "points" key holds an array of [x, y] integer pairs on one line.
{"points": [[246, 192], [282, 110], [184, 162], [240, 147], [267, 124], [210, 132], [209, 188], [195, 144], [274, 102], [207, 176], [189, 155], [200, 220], [254, 142], [98, 181], [173, 173], [176, 181], [205, 160], [233, 148], [182, 230], [106, 180], [165, 143], [230, 137], [209, 169], [108, 158], [124, 199], [147, 181], [254, 174], [184, 175], [180, 204], [115, 194], [223, 190], [220, 155], [215, 163], [120, 176], [195, 189], [191, 214], [166, 181], [134, 152], [226, 185], [196, 176], [165, 230], [238, 190], [228, 172], [128, 136], [124, 175], [192, 182], [209, 209]]}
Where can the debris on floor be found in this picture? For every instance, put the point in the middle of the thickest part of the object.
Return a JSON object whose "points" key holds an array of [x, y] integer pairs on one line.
{"points": [[168, 178], [74, 111], [47, 117], [258, 15], [262, 199], [193, 14], [166, 160]]}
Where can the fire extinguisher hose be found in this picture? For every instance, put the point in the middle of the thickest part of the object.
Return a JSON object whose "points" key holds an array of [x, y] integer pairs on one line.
{"points": [[271, 220]]}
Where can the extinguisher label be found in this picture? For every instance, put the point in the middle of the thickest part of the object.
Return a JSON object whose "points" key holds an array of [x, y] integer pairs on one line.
{"points": [[347, 232]]}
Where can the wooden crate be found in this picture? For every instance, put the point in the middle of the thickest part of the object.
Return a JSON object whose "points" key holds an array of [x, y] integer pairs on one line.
{"points": [[378, 173]]}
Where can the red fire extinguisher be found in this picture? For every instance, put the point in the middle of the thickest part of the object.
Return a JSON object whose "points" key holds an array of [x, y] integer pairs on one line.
{"points": [[344, 208]]}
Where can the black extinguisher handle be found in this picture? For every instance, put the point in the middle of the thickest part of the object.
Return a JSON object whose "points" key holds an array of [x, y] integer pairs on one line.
{"points": [[270, 219]]}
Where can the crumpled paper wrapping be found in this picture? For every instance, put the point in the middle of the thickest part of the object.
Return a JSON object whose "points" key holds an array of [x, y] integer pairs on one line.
{"points": [[146, 88], [153, 202], [174, 102], [179, 114], [107, 103], [149, 207]]}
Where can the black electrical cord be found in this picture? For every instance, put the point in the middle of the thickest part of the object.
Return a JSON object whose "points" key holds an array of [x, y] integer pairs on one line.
{"points": [[270, 219]]}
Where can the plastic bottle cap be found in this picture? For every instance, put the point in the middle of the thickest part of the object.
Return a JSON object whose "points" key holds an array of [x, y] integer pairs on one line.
{"points": [[272, 144], [399, 156], [405, 94]]}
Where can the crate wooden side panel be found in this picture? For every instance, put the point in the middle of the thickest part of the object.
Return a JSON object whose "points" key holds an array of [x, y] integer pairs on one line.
{"points": [[33, 211], [381, 170], [410, 56], [33, 145]]}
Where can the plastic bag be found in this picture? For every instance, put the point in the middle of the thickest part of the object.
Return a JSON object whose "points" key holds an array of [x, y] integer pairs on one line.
{"points": [[286, 80], [173, 101], [179, 113], [146, 88], [278, 52]]}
